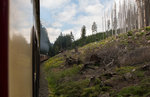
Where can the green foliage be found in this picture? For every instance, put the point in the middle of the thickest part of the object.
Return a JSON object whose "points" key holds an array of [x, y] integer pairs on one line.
{"points": [[130, 33], [72, 37], [53, 63], [147, 28], [55, 77], [51, 51], [94, 27], [139, 73], [124, 42], [141, 90], [94, 91], [63, 42], [83, 32], [89, 39], [91, 91], [123, 70], [147, 80], [71, 89], [148, 38], [123, 36], [132, 90], [62, 83], [67, 82], [139, 34]]}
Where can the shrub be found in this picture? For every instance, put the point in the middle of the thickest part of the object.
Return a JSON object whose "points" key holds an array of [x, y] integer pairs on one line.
{"points": [[147, 28], [139, 73], [95, 90], [139, 34], [71, 89], [137, 56], [53, 62], [62, 79], [130, 33], [148, 38], [123, 70], [141, 90], [91, 91]]}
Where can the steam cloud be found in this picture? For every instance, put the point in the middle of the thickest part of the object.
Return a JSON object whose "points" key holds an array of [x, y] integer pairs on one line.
{"points": [[44, 40]]}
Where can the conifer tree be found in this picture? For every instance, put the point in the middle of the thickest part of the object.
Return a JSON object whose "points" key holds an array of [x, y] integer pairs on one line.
{"points": [[83, 32]]}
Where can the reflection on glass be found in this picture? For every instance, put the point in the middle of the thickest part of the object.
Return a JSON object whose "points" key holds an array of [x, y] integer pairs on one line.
{"points": [[20, 51]]}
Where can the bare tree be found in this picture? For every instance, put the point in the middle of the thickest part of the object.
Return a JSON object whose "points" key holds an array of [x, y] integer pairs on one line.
{"points": [[132, 14], [115, 19], [112, 19]]}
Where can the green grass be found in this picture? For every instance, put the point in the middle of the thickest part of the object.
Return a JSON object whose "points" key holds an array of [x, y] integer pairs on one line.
{"points": [[99, 44], [130, 33], [141, 90], [147, 80], [56, 75], [125, 69], [139, 73], [124, 42], [123, 36], [91, 91], [71, 89], [148, 38], [95, 90], [54, 78], [61, 83], [54, 62], [147, 28], [139, 34], [67, 82]]}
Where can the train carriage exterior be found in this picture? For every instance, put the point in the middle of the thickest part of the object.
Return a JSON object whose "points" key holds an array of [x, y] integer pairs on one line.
{"points": [[20, 48]]}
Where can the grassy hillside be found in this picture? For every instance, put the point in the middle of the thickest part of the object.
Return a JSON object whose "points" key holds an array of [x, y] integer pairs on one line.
{"points": [[115, 67], [89, 39]]}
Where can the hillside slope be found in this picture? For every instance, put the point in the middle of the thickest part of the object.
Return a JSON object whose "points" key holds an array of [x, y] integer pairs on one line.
{"points": [[114, 67]]}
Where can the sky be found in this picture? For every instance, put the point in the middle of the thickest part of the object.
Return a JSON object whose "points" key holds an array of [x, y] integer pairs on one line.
{"points": [[20, 18], [70, 15]]}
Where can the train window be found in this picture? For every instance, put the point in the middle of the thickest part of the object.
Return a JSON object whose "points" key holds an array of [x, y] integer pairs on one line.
{"points": [[20, 48]]}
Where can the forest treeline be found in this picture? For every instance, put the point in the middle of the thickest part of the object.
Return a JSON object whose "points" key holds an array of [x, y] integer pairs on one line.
{"points": [[67, 42], [124, 16]]}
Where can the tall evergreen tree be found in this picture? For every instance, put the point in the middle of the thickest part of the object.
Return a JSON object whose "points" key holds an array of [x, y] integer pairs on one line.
{"points": [[94, 27], [72, 37], [63, 42], [83, 32]]}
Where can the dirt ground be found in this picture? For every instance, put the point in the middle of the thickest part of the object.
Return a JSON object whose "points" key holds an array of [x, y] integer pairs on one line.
{"points": [[43, 90]]}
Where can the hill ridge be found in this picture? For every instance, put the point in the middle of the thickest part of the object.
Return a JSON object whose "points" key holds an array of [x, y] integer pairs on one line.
{"points": [[118, 66]]}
